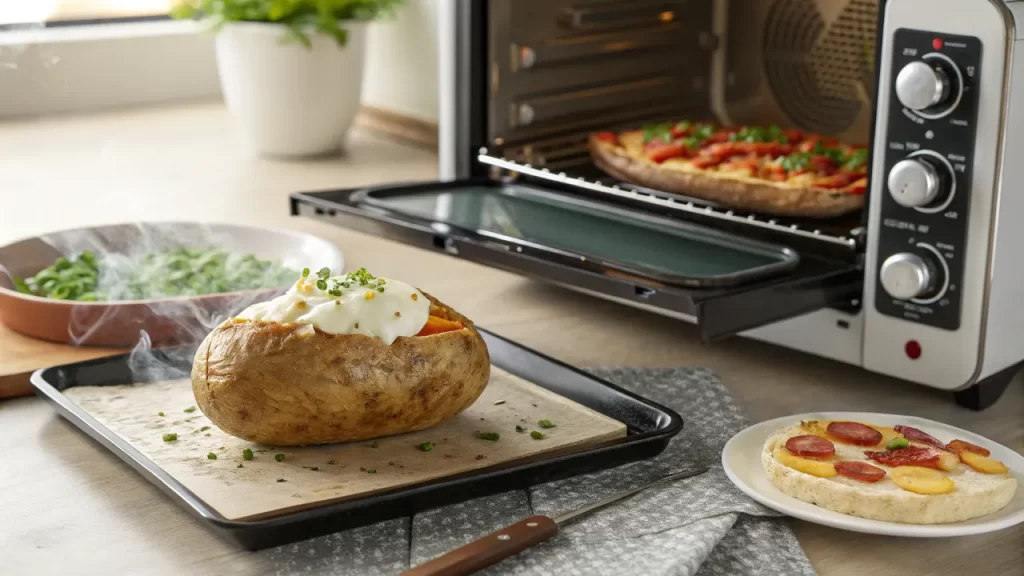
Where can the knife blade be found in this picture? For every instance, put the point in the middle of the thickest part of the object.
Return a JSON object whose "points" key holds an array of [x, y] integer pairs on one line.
{"points": [[513, 539]]}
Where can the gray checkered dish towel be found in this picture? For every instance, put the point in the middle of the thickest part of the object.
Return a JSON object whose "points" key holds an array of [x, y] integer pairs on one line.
{"points": [[699, 526]]}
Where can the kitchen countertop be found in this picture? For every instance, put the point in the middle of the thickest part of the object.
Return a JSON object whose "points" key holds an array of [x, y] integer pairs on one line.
{"points": [[70, 506]]}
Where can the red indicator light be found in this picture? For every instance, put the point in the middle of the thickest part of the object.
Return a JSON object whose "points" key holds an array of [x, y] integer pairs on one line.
{"points": [[913, 349], [937, 43]]}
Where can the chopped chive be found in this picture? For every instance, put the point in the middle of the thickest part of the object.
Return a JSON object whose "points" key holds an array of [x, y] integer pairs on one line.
{"points": [[897, 444], [280, 480], [536, 435], [545, 423], [160, 413], [247, 454], [204, 428], [426, 446], [492, 436], [190, 409], [371, 471], [520, 428], [331, 462], [239, 465], [279, 457], [373, 444], [499, 402], [211, 456], [170, 437]]}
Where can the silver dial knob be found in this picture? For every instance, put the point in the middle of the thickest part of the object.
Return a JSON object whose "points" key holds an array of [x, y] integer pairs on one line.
{"points": [[920, 86], [906, 276], [914, 182]]}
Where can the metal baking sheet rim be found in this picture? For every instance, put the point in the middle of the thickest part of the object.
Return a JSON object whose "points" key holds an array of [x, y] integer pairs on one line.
{"points": [[254, 534]]}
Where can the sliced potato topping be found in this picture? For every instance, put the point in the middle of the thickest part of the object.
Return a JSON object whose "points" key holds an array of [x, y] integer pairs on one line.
{"points": [[920, 480], [888, 433], [983, 464], [948, 461], [805, 465]]}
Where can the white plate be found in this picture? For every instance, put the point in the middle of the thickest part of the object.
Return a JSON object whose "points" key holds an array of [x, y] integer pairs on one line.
{"points": [[741, 459]]}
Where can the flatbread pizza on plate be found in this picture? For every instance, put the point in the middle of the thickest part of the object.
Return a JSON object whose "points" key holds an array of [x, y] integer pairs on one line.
{"points": [[879, 473], [761, 169]]}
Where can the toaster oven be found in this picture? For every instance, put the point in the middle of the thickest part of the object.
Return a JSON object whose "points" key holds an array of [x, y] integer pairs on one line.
{"points": [[921, 285]]}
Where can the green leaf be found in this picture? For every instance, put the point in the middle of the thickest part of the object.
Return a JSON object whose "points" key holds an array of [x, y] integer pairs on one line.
{"points": [[301, 17], [20, 285]]}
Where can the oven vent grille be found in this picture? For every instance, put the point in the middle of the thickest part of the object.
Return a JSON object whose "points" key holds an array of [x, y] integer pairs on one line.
{"points": [[665, 201], [820, 61]]}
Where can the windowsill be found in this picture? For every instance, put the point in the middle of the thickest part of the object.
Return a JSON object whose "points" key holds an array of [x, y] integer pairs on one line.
{"points": [[113, 30]]}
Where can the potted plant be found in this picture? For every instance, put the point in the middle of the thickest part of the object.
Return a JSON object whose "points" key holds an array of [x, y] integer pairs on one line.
{"points": [[291, 71]]}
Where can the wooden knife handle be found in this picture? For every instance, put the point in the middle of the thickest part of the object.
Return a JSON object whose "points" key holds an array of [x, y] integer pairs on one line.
{"points": [[490, 549]]}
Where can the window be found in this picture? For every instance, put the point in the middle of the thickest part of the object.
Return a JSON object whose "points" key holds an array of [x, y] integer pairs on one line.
{"points": [[15, 12], [61, 56]]}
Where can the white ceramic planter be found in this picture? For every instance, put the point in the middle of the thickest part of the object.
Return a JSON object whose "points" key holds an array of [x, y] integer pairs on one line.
{"points": [[286, 99]]}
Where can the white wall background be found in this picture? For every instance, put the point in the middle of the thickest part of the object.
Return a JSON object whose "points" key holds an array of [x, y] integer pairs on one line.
{"points": [[402, 62]]}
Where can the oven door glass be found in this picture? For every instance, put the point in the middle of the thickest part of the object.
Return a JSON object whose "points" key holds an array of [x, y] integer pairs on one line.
{"points": [[728, 283]]}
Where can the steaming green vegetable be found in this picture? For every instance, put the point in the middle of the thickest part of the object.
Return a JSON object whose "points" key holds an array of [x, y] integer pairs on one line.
{"points": [[87, 277]]}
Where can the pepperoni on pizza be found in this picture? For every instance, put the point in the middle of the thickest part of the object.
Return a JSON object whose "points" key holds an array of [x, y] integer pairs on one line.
{"points": [[759, 169]]}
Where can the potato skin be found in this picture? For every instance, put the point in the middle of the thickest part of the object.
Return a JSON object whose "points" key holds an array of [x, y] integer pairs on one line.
{"points": [[292, 385]]}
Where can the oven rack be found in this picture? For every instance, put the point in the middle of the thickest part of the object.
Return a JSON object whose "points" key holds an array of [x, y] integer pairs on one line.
{"points": [[484, 156]]}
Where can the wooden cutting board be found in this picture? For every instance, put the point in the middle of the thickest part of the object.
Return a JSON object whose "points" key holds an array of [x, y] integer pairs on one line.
{"points": [[264, 487], [20, 356]]}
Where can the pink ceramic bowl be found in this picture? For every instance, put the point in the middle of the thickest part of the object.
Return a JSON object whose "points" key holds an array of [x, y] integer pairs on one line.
{"points": [[166, 321]]}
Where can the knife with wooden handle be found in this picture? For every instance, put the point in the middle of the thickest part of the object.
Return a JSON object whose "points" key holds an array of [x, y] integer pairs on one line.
{"points": [[517, 537]]}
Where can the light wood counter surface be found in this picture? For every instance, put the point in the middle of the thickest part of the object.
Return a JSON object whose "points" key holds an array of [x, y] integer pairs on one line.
{"points": [[67, 506]]}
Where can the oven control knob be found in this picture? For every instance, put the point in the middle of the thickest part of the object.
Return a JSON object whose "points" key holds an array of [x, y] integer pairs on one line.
{"points": [[906, 276], [922, 85], [917, 182]]}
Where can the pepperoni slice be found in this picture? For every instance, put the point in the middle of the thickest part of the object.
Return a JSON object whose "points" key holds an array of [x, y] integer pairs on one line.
{"points": [[793, 136], [958, 446], [726, 149], [811, 446], [909, 456], [659, 154], [855, 433], [918, 436], [860, 471], [833, 182], [681, 130], [858, 187], [707, 161]]}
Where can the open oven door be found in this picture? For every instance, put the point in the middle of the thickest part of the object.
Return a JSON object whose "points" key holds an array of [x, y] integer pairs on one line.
{"points": [[727, 283]]}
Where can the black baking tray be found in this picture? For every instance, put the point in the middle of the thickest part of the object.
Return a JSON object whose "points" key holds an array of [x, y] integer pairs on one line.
{"points": [[650, 427]]}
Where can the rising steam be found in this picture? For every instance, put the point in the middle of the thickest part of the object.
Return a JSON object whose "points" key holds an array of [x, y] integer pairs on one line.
{"points": [[182, 322]]}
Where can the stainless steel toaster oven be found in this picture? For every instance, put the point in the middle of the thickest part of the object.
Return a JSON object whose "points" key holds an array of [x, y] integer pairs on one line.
{"points": [[922, 285]]}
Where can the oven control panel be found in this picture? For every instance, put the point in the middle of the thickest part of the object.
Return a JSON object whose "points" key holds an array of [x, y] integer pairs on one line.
{"points": [[927, 179]]}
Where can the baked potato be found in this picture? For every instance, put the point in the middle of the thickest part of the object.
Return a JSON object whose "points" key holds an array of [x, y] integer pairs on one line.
{"points": [[281, 375]]}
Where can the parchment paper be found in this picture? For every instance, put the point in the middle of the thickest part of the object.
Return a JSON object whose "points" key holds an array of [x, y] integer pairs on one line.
{"points": [[264, 487]]}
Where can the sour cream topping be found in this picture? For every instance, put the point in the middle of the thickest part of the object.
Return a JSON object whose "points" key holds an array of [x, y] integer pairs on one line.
{"points": [[356, 303]]}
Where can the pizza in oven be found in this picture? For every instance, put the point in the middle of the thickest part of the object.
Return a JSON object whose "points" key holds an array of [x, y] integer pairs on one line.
{"points": [[758, 169], [895, 474]]}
